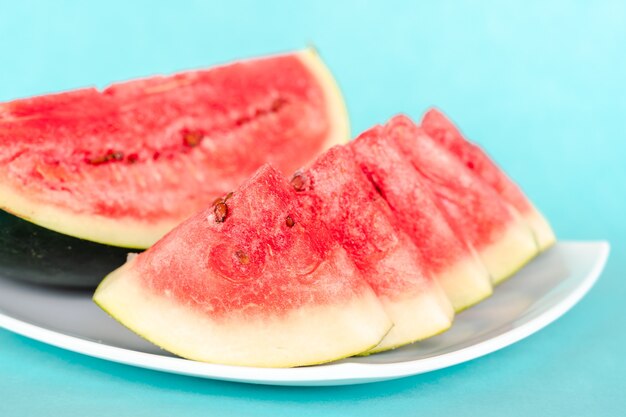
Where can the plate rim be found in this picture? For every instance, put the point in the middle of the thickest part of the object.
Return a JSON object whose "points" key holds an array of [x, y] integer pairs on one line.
{"points": [[350, 373]]}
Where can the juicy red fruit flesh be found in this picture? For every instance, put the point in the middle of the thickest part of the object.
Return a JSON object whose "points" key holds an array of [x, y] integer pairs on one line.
{"points": [[473, 209], [340, 196], [256, 259], [410, 198], [188, 136], [442, 130]]}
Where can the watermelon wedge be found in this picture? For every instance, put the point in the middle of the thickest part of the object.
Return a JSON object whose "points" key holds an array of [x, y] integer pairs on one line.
{"points": [[474, 210], [444, 255], [113, 166], [440, 128], [248, 282], [334, 191]]}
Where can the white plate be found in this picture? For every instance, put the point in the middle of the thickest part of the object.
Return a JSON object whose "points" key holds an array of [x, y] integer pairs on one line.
{"points": [[539, 294]]}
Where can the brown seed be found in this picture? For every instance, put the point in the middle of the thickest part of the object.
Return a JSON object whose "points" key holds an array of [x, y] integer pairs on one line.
{"points": [[107, 157], [98, 160], [221, 211], [243, 257], [229, 195], [132, 158], [278, 103], [242, 120], [298, 181], [192, 138], [289, 221], [115, 156]]}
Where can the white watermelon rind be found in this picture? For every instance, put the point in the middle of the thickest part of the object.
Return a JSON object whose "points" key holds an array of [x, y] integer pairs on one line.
{"points": [[466, 283], [415, 318], [544, 235], [310, 335], [511, 251]]}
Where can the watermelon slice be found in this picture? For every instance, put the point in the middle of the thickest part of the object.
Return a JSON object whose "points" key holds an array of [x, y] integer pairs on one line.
{"points": [[440, 128], [444, 255], [113, 166], [334, 191], [503, 240], [248, 282]]}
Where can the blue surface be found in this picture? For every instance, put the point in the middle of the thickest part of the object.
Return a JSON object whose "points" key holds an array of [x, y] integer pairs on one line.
{"points": [[541, 86]]}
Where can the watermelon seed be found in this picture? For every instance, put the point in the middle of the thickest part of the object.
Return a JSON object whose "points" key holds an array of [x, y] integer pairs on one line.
{"points": [[242, 121], [224, 199], [243, 257], [289, 221], [97, 160], [221, 211], [108, 157], [278, 104], [298, 181], [132, 158], [192, 138]]}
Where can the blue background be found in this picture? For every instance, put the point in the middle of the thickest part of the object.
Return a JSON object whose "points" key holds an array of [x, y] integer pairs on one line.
{"points": [[541, 85]]}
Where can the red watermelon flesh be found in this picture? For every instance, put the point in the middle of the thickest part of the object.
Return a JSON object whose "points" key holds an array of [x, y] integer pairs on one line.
{"points": [[334, 191], [474, 210], [248, 282], [444, 255], [442, 130], [124, 165]]}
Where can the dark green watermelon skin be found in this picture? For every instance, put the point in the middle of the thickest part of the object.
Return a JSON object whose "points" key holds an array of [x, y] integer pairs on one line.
{"points": [[34, 254]]}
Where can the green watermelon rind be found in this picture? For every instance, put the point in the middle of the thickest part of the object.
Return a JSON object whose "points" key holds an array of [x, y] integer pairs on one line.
{"points": [[32, 253]]}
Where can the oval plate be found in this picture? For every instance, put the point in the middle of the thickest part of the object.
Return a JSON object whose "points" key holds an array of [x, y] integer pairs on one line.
{"points": [[536, 296]]}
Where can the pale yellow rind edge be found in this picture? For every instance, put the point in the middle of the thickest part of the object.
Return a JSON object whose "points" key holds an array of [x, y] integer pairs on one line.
{"points": [[336, 105], [541, 228], [415, 318], [122, 232], [514, 248], [307, 336], [466, 283]]}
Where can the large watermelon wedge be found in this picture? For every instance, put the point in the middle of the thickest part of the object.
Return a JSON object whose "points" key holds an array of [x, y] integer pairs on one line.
{"points": [[445, 255], [477, 212], [248, 282], [334, 191], [440, 128], [124, 165]]}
